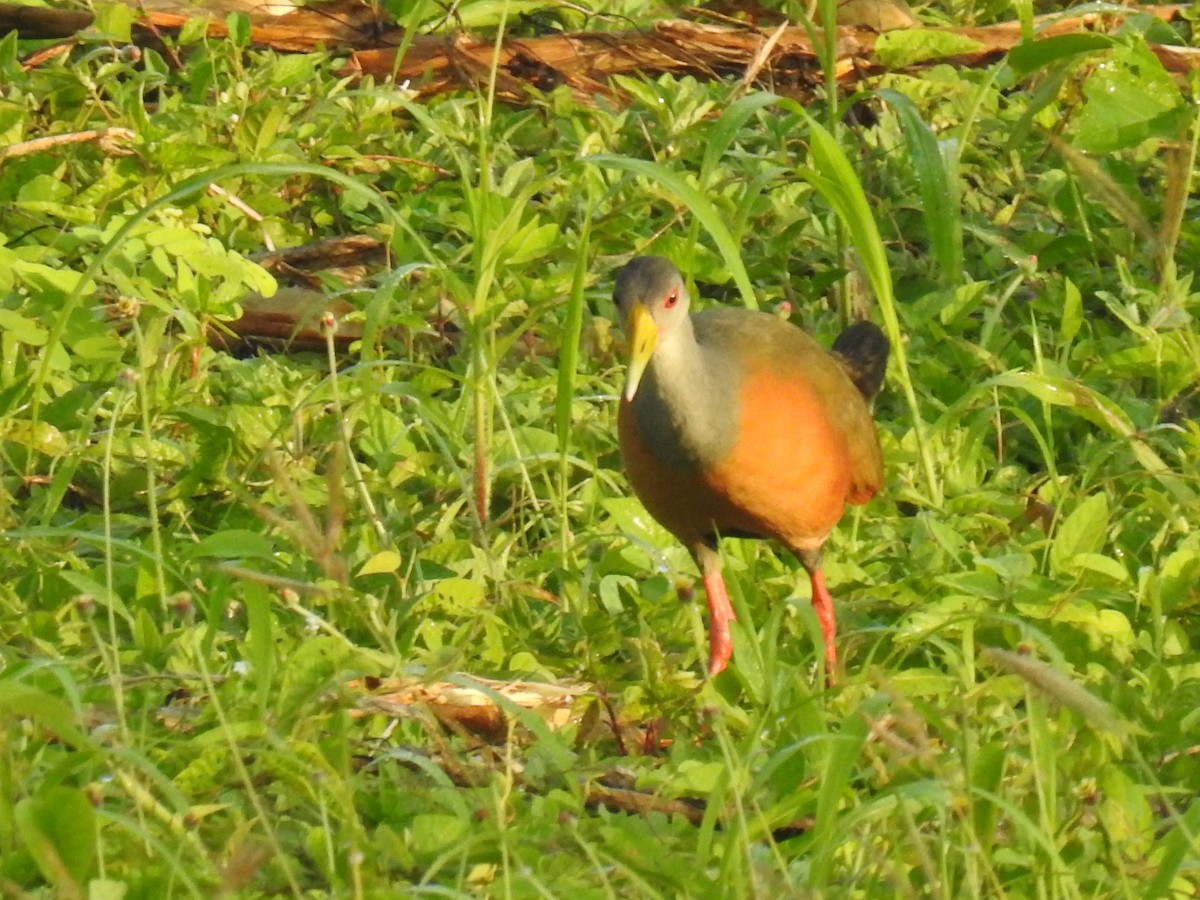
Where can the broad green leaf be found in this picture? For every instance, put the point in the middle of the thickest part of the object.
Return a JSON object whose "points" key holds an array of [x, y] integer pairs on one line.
{"points": [[57, 827], [38, 436], [193, 31], [259, 646], [610, 592], [93, 589], [113, 23], [987, 771], [1031, 55], [1130, 97], [1102, 626], [1102, 565], [909, 46], [458, 594], [147, 630], [54, 715], [696, 777], [1179, 575], [1083, 531], [43, 189], [238, 24], [234, 543], [106, 889], [722, 135], [48, 279], [269, 129], [1072, 312], [530, 243], [631, 517], [10, 67], [937, 177], [489, 13], [383, 563]]}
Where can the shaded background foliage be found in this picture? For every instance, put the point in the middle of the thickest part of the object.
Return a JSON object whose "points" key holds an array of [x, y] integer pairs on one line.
{"points": [[199, 550]]}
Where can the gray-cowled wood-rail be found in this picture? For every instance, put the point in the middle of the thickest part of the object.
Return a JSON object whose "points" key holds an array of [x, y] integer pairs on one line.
{"points": [[735, 423]]}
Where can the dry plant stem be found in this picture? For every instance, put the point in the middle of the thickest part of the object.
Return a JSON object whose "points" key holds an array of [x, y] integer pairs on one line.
{"points": [[1181, 174], [35, 60], [407, 160], [506, 423], [42, 144], [335, 484], [643, 804], [761, 56], [236, 755], [312, 620], [245, 209], [360, 485], [147, 802], [170, 51], [272, 581], [305, 529], [482, 336], [240, 205], [112, 660], [143, 396]]}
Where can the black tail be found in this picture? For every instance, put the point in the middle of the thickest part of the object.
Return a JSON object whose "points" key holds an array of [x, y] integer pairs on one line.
{"points": [[863, 351]]}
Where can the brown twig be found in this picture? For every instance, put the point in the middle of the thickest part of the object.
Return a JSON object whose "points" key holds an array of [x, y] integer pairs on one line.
{"points": [[106, 136]]}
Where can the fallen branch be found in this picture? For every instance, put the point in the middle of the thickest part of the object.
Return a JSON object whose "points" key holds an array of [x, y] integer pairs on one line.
{"points": [[342, 24], [586, 61]]}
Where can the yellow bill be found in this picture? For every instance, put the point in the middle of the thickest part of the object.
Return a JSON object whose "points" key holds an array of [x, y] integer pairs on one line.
{"points": [[643, 337]]}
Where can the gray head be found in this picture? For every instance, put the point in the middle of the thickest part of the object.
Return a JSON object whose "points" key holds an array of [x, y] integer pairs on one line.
{"points": [[652, 300]]}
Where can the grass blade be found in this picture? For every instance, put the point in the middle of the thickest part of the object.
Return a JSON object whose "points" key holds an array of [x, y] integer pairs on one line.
{"points": [[939, 187], [728, 127], [568, 362], [844, 751]]}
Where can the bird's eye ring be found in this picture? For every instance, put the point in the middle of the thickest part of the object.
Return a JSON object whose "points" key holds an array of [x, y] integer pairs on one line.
{"points": [[672, 299]]}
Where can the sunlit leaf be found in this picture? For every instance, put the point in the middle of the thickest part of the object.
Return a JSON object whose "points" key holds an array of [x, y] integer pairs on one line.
{"points": [[907, 47], [1130, 97]]}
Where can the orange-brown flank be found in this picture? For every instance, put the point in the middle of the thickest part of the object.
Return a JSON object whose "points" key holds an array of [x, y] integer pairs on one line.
{"points": [[788, 477]]}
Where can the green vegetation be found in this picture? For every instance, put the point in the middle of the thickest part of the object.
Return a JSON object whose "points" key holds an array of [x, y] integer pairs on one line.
{"points": [[198, 552]]}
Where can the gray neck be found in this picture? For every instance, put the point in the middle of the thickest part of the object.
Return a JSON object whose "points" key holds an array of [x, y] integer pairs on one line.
{"points": [[687, 404]]}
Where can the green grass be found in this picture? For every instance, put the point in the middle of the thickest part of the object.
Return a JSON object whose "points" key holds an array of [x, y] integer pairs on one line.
{"points": [[199, 552]]}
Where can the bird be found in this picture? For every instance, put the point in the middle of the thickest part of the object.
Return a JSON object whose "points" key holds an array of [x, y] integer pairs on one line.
{"points": [[736, 423]]}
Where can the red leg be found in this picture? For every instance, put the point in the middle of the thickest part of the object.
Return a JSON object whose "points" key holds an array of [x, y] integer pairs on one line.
{"points": [[720, 611], [823, 607], [720, 614]]}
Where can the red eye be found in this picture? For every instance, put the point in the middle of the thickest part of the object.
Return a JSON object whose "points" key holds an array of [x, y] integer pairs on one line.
{"points": [[672, 299]]}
